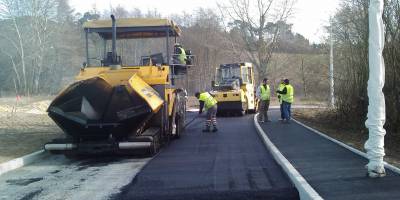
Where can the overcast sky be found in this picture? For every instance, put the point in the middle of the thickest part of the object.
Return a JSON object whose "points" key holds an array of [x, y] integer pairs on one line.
{"points": [[309, 18]]}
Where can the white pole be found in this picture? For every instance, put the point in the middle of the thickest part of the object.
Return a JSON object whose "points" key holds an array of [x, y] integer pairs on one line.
{"points": [[331, 72], [376, 108]]}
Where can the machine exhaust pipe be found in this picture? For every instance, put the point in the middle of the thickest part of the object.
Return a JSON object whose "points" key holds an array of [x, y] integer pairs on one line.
{"points": [[134, 145], [121, 145], [60, 147], [114, 39]]}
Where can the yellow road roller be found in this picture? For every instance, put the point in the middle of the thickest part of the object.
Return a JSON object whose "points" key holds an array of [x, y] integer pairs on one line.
{"points": [[124, 98], [233, 88]]}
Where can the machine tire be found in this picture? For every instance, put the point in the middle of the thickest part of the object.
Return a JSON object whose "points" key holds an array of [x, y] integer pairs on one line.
{"points": [[155, 146], [251, 111], [178, 128], [245, 108]]}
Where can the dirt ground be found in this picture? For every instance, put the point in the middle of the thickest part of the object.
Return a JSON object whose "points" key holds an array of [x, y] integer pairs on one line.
{"points": [[25, 126], [326, 121]]}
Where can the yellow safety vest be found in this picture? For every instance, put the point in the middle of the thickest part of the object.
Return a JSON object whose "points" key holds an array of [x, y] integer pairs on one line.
{"points": [[182, 56], [280, 88], [209, 101], [265, 93], [288, 97]]}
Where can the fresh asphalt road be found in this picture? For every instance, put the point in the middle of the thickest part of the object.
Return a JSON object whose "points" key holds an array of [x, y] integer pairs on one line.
{"points": [[230, 164], [333, 171]]}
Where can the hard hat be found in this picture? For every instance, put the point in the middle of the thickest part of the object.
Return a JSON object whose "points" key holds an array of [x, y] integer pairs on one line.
{"points": [[286, 81]]}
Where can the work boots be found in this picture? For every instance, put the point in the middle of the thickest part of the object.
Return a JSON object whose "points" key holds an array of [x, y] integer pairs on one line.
{"points": [[207, 129]]}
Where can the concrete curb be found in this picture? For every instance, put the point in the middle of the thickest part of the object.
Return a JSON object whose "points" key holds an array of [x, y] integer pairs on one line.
{"points": [[354, 150], [305, 190], [21, 161]]}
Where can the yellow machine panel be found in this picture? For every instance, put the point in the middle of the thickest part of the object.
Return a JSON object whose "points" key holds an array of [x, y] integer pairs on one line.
{"points": [[169, 97], [146, 92], [152, 75]]}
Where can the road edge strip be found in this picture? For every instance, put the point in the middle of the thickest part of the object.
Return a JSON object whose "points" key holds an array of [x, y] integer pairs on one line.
{"points": [[305, 190], [354, 150], [21, 161]]}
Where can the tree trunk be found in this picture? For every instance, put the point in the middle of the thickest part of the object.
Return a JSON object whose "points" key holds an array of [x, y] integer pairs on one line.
{"points": [[303, 77], [22, 56]]}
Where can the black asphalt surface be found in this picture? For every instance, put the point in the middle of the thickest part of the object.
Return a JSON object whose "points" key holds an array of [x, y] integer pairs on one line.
{"points": [[230, 164], [333, 171]]}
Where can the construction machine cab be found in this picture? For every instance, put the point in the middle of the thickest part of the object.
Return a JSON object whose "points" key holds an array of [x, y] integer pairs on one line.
{"points": [[101, 48], [229, 76]]}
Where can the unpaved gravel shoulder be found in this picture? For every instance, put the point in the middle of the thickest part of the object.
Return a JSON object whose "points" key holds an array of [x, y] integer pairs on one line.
{"points": [[24, 127], [25, 133]]}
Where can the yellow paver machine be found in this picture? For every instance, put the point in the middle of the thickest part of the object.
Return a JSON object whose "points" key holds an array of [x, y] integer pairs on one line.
{"points": [[118, 107]]}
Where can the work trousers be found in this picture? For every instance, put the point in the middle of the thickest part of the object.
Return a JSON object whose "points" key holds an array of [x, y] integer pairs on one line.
{"points": [[281, 107], [212, 117], [287, 113], [263, 110]]}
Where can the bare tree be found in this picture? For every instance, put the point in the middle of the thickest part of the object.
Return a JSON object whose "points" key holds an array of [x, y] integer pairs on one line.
{"points": [[42, 13], [259, 22], [28, 28], [10, 9]]}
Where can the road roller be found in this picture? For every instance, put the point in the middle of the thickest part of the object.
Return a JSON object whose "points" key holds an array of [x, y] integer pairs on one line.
{"points": [[233, 88], [124, 99]]}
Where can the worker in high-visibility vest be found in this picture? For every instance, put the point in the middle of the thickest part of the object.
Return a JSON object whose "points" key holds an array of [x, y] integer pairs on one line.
{"points": [[280, 88], [263, 95], [210, 105], [287, 95], [180, 55]]}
